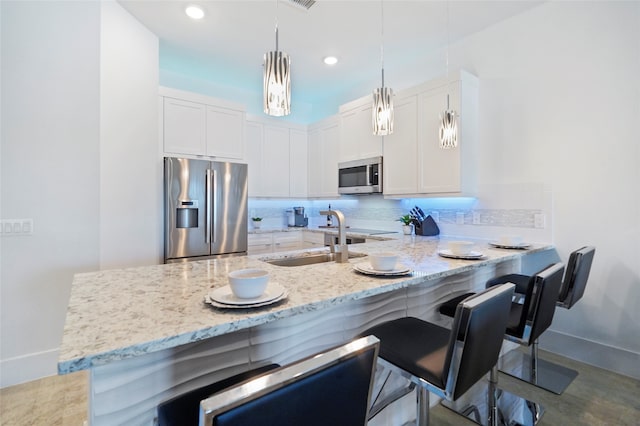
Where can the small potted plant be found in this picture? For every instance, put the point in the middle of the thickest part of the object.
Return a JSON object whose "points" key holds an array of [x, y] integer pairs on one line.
{"points": [[407, 225], [256, 221]]}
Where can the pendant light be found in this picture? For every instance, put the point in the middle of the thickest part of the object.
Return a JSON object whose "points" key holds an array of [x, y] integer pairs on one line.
{"points": [[382, 111], [277, 80], [448, 117]]}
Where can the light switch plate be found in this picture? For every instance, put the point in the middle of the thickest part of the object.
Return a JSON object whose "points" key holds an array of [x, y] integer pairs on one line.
{"points": [[16, 227], [460, 218], [539, 220], [476, 218]]}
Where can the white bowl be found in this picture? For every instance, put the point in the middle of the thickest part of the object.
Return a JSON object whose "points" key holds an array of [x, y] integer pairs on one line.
{"points": [[383, 261], [248, 283], [460, 248]]}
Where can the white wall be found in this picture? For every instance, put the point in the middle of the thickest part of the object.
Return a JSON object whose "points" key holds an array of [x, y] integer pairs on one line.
{"points": [[130, 157], [75, 97], [559, 104]]}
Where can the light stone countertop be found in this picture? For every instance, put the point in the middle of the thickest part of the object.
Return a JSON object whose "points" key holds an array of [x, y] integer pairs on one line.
{"points": [[118, 314]]}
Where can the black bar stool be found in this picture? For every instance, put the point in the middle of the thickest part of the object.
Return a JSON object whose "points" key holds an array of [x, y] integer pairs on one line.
{"points": [[446, 362], [545, 374], [331, 388], [527, 320]]}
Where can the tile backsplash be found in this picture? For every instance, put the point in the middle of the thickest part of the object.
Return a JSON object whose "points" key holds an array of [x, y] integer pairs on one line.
{"points": [[523, 209]]}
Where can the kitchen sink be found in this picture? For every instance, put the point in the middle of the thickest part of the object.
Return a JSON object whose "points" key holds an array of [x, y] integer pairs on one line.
{"points": [[309, 259]]}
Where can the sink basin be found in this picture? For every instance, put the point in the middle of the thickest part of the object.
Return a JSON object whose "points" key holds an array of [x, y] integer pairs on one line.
{"points": [[309, 259]]}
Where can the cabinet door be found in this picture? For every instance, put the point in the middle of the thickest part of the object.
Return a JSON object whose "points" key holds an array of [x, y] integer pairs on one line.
{"points": [[254, 158], [315, 163], [275, 161], [329, 161], [298, 163], [357, 140], [439, 169], [259, 243], [285, 241], [400, 148], [225, 133], [312, 239], [184, 127]]}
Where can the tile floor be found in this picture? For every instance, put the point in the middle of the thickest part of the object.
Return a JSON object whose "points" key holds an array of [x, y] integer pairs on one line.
{"points": [[596, 397]]}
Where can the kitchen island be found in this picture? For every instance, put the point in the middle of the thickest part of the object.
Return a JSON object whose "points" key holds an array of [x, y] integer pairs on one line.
{"points": [[146, 334]]}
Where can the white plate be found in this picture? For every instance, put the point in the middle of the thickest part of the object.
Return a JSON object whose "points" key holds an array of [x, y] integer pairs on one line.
{"points": [[520, 246], [225, 296], [207, 299], [474, 255], [366, 268]]}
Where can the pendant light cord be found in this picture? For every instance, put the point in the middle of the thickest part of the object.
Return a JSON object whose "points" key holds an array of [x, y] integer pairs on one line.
{"points": [[277, 26], [382, 39], [447, 57]]}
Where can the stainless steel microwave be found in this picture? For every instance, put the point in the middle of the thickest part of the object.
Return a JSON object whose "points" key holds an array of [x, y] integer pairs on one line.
{"points": [[360, 176]]}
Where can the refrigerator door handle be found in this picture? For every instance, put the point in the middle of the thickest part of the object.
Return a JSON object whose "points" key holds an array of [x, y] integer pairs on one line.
{"points": [[207, 196], [213, 220]]}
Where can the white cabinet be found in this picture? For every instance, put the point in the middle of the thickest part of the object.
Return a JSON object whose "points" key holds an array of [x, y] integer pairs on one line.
{"points": [[259, 243], [414, 164], [286, 241], [312, 239], [323, 158], [400, 161], [275, 175], [198, 125], [184, 127], [357, 140], [225, 133], [273, 242], [277, 157], [298, 166]]}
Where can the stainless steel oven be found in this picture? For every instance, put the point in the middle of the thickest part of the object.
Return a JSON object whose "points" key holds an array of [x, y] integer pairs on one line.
{"points": [[360, 176]]}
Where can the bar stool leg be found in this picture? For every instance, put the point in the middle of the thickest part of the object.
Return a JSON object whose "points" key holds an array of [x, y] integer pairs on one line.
{"points": [[492, 403], [422, 415]]}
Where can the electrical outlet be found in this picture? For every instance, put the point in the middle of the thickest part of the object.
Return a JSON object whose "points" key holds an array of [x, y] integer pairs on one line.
{"points": [[435, 215], [539, 220], [476, 218], [460, 218]]}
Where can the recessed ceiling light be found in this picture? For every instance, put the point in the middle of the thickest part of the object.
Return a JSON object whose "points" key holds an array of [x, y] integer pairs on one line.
{"points": [[194, 12], [330, 60]]}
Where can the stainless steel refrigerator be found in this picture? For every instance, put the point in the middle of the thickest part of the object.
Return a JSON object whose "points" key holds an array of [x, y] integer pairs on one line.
{"points": [[205, 209]]}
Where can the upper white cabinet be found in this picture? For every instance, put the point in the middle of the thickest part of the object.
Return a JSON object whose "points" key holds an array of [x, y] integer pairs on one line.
{"points": [[298, 163], [198, 125], [414, 164], [324, 138], [357, 140], [184, 127], [277, 157]]}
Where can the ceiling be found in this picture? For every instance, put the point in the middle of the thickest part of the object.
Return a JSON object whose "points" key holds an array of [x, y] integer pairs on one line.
{"points": [[228, 44]]}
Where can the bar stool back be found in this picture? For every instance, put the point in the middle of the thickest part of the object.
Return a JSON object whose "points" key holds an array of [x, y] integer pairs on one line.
{"points": [[331, 388], [446, 362]]}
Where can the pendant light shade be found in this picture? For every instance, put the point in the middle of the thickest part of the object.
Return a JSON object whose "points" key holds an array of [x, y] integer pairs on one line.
{"points": [[448, 128], [276, 93], [277, 84], [382, 110]]}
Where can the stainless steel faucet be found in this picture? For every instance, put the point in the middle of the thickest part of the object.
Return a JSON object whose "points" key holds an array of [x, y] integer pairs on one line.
{"points": [[343, 251]]}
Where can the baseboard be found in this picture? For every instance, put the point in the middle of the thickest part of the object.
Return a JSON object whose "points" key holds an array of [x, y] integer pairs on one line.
{"points": [[610, 358], [29, 367]]}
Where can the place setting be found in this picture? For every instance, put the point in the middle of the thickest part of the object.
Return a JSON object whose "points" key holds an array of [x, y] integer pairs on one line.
{"points": [[461, 250], [248, 288], [510, 242], [382, 265]]}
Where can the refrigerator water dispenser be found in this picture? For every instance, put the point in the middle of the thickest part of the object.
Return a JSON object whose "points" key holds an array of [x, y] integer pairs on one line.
{"points": [[187, 214]]}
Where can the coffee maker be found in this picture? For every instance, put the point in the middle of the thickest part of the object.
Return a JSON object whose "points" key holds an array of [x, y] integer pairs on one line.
{"points": [[300, 219]]}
